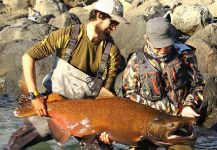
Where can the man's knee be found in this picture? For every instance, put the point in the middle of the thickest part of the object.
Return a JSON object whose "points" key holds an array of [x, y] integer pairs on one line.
{"points": [[33, 130], [22, 137]]}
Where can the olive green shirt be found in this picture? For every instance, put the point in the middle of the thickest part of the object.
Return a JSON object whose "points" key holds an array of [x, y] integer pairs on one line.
{"points": [[86, 55]]}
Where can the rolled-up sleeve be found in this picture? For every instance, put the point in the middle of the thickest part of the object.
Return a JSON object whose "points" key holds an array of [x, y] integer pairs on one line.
{"points": [[112, 68], [55, 41]]}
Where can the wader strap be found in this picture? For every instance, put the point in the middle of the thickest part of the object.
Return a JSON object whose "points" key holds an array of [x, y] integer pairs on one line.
{"points": [[104, 59], [71, 47], [72, 42], [144, 63]]}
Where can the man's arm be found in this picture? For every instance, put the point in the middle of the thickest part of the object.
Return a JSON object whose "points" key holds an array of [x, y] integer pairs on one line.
{"points": [[29, 75], [112, 69], [195, 98], [131, 83], [53, 42]]}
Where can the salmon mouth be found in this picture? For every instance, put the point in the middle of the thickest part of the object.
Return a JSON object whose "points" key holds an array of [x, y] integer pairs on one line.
{"points": [[172, 133], [182, 134]]}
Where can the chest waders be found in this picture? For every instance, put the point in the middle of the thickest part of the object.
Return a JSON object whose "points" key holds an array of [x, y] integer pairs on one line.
{"points": [[67, 81], [71, 82]]}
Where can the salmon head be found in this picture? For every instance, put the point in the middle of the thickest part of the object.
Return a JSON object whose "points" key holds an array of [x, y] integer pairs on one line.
{"points": [[171, 130]]}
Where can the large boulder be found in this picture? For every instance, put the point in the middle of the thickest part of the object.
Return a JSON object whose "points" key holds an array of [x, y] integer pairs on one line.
{"points": [[210, 92], [128, 42], [11, 65], [82, 13], [46, 7], [64, 20], [148, 9], [25, 31], [212, 8], [10, 62], [206, 49], [190, 18], [11, 14], [17, 3]]}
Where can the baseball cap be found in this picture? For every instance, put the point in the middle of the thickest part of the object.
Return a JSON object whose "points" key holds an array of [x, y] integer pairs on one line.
{"points": [[158, 32], [112, 7]]}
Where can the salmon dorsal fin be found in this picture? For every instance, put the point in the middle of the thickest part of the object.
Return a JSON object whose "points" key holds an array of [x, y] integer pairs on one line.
{"points": [[60, 134], [104, 93], [23, 87], [24, 106], [54, 97]]}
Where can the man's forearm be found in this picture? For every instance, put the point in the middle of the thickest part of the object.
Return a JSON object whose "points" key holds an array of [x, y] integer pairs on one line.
{"points": [[29, 72]]}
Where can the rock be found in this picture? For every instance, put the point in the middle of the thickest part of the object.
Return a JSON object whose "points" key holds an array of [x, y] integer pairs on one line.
{"points": [[17, 3], [82, 13], [25, 31], [136, 3], [78, 3], [47, 7], [210, 92], [212, 8], [65, 20], [129, 1], [190, 18], [133, 39], [44, 19], [1, 6], [32, 3], [148, 9], [2, 85], [128, 42], [204, 41], [13, 71]]}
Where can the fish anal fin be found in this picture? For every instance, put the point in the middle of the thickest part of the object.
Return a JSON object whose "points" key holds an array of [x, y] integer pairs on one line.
{"points": [[104, 93], [60, 134], [54, 97]]}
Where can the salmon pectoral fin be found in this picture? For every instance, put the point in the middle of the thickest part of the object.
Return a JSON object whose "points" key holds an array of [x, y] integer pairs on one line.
{"points": [[60, 134], [104, 93]]}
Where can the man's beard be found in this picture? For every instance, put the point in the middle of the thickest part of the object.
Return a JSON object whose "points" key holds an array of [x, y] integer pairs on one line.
{"points": [[102, 34]]}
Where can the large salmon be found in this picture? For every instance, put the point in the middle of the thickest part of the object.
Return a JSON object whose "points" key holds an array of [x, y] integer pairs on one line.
{"points": [[125, 121]]}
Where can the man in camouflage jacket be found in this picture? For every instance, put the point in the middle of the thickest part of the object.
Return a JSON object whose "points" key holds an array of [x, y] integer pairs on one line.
{"points": [[164, 74]]}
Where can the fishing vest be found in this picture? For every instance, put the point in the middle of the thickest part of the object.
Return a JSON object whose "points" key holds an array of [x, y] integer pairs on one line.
{"points": [[70, 82], [153, 81]]}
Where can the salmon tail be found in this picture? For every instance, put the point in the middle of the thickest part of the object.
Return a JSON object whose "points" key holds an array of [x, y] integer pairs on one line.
{"points": [[60, 134], [24, 106]]}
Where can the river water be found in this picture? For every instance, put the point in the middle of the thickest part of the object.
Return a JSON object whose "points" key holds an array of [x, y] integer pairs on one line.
{"points": [[207, 140]]}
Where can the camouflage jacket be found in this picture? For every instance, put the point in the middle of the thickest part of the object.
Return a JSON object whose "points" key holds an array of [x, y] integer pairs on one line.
{"points": [[187, 95]]}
